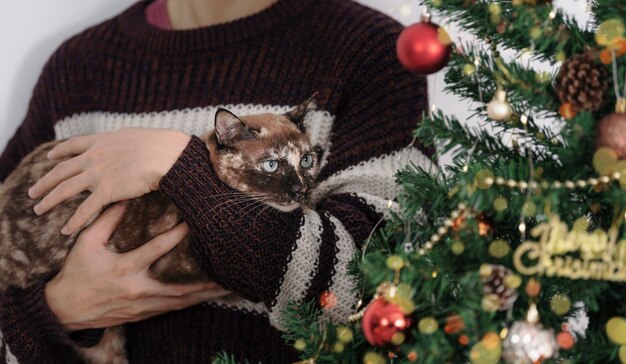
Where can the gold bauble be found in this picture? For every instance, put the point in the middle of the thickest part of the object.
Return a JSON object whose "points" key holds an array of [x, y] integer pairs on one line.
{"points": [[616, 330], [500, 204], [513, 281], [560, 304], [499, 108], [499, 248], [604, 159], [529, 209], [457, 247], [484, 179], [485, 270], [492, 341], [299, 345], [480, 354], [395, 262], [374, 358], [490, 303], [398, 338], [469, 69], [609, 30], [535, 32], [344, 334], [339, 347], [622, 354], [428, 325]]}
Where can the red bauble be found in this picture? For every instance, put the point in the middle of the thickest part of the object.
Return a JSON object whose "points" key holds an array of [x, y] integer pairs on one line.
{"points": [[381, 320], [423, 48]]}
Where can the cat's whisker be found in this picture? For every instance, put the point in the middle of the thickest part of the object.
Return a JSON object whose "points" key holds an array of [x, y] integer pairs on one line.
{"points": [[259, 213], [244, 201], [233, 202], [228, 194], [250, 208]]}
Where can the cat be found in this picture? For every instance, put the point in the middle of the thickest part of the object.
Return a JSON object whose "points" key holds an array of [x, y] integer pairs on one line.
{"points": [[265, 158]]}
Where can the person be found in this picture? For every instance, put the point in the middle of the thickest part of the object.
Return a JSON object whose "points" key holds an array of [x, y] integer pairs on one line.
{"points": [[130, 94]]}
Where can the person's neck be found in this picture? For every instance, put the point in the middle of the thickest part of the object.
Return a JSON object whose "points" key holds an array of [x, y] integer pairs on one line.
{"points": [[189, 14]]}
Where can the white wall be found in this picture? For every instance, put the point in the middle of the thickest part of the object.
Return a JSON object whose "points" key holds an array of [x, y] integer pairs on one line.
{"points": [[30, 30]]}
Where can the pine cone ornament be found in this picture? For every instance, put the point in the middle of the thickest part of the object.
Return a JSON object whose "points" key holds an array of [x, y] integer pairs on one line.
{"points": [[582, 82], [494, 277]]}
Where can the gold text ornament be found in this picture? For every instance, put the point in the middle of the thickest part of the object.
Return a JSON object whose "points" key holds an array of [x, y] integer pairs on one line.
{"points": [[573, 254]]}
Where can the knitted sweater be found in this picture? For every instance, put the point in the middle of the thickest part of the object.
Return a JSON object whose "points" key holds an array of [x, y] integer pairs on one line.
{"points": [[125, 72]]}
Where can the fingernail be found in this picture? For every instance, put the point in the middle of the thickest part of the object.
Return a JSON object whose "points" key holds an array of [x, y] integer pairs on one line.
{"points": [[50, 154], [37, 209], [65, 230], [31, 192]]}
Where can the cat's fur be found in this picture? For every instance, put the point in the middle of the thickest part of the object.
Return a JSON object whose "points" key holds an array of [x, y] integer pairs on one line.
{"points": [[32, 248]]}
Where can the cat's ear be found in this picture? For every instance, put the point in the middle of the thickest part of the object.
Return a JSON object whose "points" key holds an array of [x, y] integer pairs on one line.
{"points": [[229, 129], [298, 114]]}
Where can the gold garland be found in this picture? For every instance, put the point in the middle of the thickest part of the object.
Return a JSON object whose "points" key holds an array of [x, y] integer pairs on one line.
{"points": [[581, 183]]}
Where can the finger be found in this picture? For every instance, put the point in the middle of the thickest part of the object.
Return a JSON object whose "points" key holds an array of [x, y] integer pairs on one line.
{"points": [[148, 253], [63, 192], [103, 227], [71, 147], [61, 172], [83, 213]]}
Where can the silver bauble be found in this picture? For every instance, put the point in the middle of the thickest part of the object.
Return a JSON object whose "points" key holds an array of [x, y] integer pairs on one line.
{"points": [[528, 343]]}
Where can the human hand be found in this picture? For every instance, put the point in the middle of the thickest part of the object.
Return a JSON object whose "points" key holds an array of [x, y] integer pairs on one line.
{"points": [[114, 166], [99, 288]]}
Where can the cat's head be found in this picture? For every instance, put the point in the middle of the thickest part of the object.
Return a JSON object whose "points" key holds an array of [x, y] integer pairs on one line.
{"points": [[267, 156]]}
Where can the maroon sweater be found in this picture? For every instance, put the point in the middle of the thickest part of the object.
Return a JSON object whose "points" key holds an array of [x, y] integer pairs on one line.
{"points": [[124, 72]]}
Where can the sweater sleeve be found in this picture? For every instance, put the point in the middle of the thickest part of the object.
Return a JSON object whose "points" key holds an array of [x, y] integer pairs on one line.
{"points": [[276, 257], [29, 331], [32, 334]]}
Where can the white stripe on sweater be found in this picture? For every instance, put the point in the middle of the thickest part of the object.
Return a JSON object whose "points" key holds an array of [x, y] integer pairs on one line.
{"points": [[373, 180], [237, 303], [302, 268], [196, 121], [343, 286], [10, 358]]}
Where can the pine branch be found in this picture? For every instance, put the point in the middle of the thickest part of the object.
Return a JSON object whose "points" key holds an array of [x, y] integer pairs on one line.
{"points": [[448, 134], [527, 90], [224, 358], [562, 34], [607, 9]]}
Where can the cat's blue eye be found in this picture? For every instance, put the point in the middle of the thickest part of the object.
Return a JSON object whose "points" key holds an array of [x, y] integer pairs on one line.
{"points": [[306, 161], [270, 165]]}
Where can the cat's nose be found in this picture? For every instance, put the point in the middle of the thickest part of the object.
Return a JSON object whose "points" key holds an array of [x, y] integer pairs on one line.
{"points": [[298, 190]]}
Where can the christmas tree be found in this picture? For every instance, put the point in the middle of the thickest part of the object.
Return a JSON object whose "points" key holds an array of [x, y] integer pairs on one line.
{"points": [[524, 232]]}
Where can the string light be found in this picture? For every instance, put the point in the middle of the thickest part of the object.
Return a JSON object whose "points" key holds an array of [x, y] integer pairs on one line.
{"points": [[524, 119], [522, 227]]}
